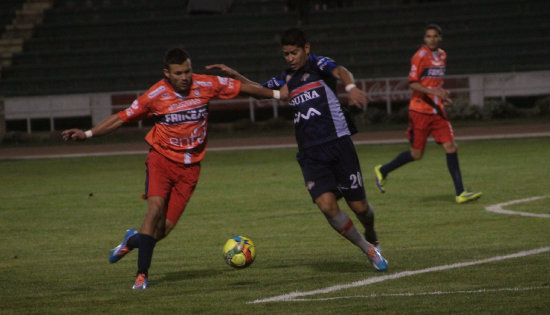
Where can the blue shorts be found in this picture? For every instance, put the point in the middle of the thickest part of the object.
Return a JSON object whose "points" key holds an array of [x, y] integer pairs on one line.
{"points": [[332, 167]]}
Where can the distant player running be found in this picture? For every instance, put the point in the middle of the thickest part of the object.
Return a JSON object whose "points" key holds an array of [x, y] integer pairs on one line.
{"points": [[179, 105], [327, 156], [427, 114]]}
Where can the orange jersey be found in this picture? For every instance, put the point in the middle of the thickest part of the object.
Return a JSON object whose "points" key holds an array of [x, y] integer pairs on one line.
{"points": [[428, 69], [180, 126]]}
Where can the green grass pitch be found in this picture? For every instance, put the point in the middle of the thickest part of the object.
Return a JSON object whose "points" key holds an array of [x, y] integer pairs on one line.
{"points": [[59, 218]]}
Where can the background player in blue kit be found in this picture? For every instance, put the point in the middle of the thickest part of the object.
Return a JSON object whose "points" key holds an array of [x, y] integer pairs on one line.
{"points": [[326, 153]]}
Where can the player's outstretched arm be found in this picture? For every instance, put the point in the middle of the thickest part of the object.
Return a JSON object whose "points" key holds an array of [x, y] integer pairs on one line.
{"points": [[259, 91], [356, 97], [107, 126], [232, 73], [250, 87]]}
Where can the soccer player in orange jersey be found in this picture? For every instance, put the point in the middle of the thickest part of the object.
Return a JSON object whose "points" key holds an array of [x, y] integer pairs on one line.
{"points": [[179, 105], [427, 114]]}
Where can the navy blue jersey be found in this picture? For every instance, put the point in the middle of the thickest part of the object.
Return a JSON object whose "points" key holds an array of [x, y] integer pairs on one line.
{"points": [[318, 115]]}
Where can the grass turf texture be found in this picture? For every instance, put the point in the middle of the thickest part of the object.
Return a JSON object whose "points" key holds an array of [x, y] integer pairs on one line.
{"points": [[60, 218]]}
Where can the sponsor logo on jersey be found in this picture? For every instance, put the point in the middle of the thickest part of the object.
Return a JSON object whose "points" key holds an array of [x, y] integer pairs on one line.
{"points": [[184, 116], [435, 72], [223, 81], [305, 77], [311, 112], [323, 62], [135, 105], [230, 83], [273, 83], [185, 103], [196, 92], [156, 92], [129, 112], [310, 185], [203, 83], [196, 138], [304, 97], [165, 96]]}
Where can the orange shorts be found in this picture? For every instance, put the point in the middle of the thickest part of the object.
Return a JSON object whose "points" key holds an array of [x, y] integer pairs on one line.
{"points": [[173, 181], [422, 125]]}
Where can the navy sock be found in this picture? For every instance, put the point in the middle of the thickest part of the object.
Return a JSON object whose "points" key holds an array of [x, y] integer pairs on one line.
{"points": [[454, 170], [145, 254], [400, 160], [133, 242]]}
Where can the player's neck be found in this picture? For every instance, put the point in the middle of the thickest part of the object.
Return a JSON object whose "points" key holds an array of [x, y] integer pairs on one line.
{"points": [[430, 49]]}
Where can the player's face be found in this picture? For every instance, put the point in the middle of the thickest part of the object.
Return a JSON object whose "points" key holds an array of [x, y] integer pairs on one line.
{"points": [[296, 57], [432, 39], [180, 76]]}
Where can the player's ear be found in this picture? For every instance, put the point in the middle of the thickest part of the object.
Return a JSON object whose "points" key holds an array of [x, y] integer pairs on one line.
{"points": [[166, 72], [307, 48]]}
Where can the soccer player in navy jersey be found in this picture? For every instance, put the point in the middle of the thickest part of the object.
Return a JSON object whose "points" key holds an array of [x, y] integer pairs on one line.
{"points": [[326, 153]]}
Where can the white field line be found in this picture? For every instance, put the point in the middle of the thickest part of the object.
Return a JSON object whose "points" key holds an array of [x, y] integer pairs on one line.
{"points": [[261, 147], [365, 282], [499, 208], [408, 294]]}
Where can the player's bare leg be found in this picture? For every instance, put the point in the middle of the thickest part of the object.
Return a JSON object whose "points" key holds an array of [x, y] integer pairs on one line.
{"points": [[169, 226], [417, 154], [342, 223]]}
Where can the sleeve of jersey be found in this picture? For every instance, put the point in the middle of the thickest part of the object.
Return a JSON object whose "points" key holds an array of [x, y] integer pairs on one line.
{"points": [[416, 68], [275, 83], [137, 111], [227, 87], [325, 64]]}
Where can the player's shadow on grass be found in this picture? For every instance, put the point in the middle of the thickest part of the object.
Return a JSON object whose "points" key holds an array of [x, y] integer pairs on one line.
{"points": [[439, 199], [341, 266], [189, 274], [196, 274]]}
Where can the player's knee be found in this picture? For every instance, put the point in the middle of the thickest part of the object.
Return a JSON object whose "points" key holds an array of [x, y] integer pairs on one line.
{"points": [[327, 205], [417, 154], [450, 147], [168, 227], [359, 207], [328, 211]]}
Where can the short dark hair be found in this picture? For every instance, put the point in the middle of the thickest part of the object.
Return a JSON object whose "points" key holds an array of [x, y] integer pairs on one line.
{"points": [[175, 56], [294, 36], [435, 27]]}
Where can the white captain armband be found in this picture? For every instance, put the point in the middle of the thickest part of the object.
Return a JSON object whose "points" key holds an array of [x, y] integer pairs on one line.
{"points": [[350, 86], [277, 94], [88, 133]]}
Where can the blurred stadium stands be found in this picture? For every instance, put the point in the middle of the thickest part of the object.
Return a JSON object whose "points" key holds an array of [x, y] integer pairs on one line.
{"points": [[87, 46]]}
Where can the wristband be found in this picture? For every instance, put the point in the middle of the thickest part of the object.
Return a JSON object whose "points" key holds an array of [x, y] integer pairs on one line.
{"points": [[350, 86], [88, 133], [277, 94]]}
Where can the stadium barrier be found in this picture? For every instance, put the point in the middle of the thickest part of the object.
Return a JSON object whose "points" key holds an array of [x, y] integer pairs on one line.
{"points": [[474, 88]]}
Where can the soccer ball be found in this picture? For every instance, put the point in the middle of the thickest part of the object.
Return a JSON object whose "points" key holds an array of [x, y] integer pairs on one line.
{"points": [[239, 252]]}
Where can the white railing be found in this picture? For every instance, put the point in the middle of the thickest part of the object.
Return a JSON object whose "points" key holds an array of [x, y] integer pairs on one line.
{"points": [[381, 90]]}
